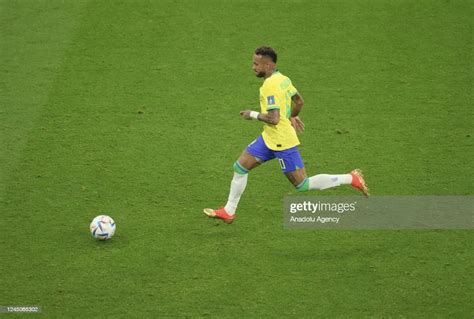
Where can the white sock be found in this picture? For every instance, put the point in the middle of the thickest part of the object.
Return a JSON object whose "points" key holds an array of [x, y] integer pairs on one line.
{"points": [[237, 187], [324, 181]]}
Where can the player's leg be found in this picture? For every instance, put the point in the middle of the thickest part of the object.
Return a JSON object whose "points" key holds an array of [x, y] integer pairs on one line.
{"points": [[247, 161], [255, 154], [321, 181], [242, 167], [292, 166], [297, 176]]}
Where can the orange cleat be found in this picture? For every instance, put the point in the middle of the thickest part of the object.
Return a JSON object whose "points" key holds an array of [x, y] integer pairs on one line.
{"points": [[220, 214], [359, 182]]}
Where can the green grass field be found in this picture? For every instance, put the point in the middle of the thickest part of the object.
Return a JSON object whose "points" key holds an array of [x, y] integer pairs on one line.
{"points": [[131, 108]]}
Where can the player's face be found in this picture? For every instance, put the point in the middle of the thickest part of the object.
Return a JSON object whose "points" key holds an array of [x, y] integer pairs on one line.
{"points": [[260, 66]]}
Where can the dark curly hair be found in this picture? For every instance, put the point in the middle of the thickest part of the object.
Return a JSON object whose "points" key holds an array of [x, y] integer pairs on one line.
{"points": [[268, 52]]}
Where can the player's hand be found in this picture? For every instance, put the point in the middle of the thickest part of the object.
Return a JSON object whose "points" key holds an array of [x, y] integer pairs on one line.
{"points": [[297, 124], [246, 114]]}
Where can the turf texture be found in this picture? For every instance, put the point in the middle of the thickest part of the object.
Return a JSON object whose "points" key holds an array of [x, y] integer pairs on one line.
{"points": [[131, 108]]}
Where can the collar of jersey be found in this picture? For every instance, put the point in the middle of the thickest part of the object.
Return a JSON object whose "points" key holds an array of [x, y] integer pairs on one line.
{"points": [[276, 71]]}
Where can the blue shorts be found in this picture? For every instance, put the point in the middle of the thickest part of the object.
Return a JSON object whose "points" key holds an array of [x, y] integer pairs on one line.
{"points": [[290, 159]]}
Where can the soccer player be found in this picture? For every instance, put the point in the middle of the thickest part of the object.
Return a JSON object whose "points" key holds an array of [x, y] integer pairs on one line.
{"points": [[280, 105]]}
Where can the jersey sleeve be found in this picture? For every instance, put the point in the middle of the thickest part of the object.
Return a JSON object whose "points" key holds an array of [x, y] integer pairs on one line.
{"points": [[292, 90], [270, 98]]}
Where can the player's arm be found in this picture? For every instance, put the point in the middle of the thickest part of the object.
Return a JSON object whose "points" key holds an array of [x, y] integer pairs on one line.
{"points": [[271, 117], [270, 103], [297, 104]]}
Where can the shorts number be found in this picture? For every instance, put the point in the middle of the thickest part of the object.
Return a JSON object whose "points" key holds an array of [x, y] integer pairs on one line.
{"points": [[282, 163]]}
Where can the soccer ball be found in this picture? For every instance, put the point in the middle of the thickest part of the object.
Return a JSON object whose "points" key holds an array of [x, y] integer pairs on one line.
{"points": [[102, 227]]}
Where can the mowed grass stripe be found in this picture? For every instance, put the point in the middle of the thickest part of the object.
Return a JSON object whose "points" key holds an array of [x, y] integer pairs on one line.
{"points": [[32, 52]]}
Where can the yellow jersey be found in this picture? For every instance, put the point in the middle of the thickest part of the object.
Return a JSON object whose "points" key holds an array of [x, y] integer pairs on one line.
{"points": [[275, 93]]}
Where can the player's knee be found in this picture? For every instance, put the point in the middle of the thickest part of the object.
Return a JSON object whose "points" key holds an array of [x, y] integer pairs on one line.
{"points": [[303, 186], [239, 169]]}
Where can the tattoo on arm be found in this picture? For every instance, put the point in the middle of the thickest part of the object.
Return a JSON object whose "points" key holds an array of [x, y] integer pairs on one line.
{"points": [[272, 117]]}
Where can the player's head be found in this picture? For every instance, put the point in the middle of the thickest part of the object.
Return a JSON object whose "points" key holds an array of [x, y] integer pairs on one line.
{"points": [[264, 61]]}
